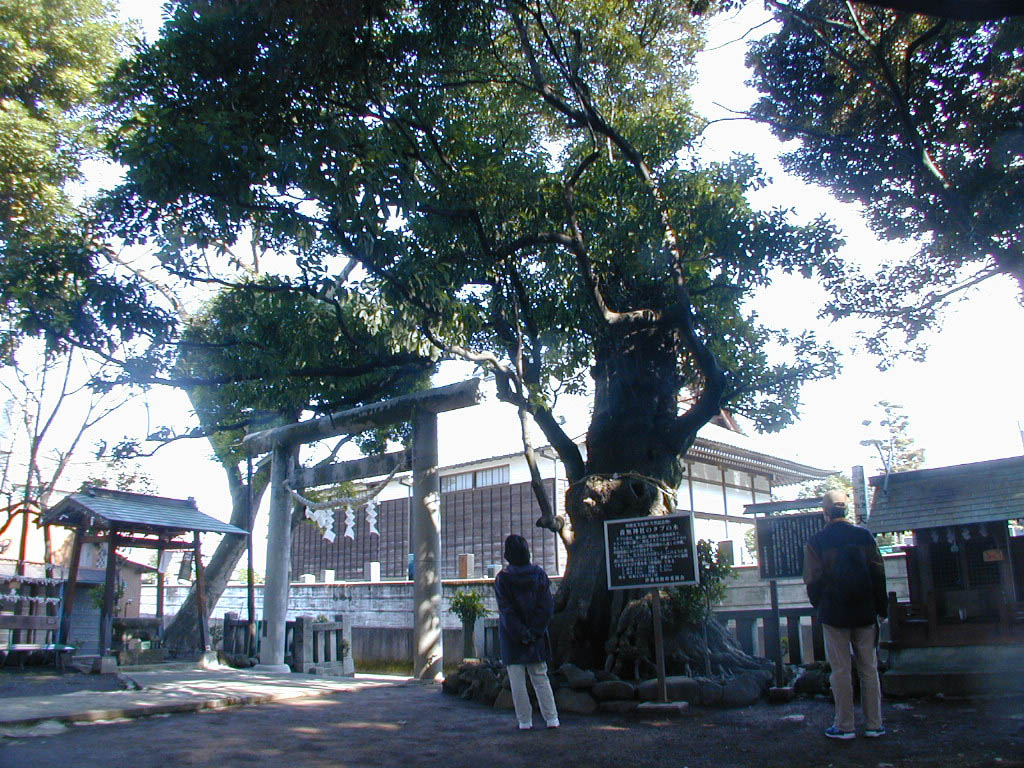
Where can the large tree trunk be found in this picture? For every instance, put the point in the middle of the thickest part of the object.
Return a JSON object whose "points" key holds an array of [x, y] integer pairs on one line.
{"points": [[636, 446], [182, 634], [633, 458]]}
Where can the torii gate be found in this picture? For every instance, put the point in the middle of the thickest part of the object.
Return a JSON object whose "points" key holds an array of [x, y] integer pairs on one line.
{"points": [[421, 409]]}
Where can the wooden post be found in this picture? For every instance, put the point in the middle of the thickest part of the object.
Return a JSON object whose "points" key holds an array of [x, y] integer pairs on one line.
{"points": [[817, 638], [794, 639], [659, 644], [279, 547], [250, 584], [160, 593], [771, 632], [70, 586], [426, 540], [204, 618], [107, 614], [302, 644]]}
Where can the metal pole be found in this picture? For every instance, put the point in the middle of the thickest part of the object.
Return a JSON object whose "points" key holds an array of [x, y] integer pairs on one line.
{"points": [[250, 640], [659, 644]]}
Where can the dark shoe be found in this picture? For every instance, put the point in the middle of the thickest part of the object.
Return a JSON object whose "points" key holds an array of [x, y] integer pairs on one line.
{"points": [[835, 733], [874, 733]]}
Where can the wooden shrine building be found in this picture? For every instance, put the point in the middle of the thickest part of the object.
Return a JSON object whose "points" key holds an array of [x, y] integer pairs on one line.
{"points": [[965, 566], [116, 519]]}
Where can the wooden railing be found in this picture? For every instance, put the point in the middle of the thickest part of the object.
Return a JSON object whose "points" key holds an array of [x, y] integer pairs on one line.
{"points": [[923, 624], [744, 626]]}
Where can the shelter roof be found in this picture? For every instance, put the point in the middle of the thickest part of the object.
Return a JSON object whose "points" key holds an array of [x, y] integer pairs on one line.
{"points": [[134, 512], [981, 492]]}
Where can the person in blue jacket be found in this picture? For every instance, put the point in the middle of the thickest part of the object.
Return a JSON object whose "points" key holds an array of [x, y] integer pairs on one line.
{"points": [[525, 607]]}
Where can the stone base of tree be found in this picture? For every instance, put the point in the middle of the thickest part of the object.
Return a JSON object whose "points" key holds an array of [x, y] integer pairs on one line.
{"points": [[587, 691]]}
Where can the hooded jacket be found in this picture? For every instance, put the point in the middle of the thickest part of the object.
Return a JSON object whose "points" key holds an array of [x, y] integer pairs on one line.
{"points": [[525, 607], [845, 576]]}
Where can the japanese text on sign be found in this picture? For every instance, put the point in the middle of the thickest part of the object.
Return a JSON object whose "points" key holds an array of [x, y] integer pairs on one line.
{"points": [[780, 543], [650, 552]]}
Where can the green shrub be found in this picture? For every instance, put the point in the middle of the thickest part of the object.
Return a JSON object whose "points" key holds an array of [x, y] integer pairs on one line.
{"points": [[694, 601], [468, 605]]}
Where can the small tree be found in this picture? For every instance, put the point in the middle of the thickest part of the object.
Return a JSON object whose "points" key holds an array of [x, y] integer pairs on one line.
{"points": [[469, 606], [897, 449]]}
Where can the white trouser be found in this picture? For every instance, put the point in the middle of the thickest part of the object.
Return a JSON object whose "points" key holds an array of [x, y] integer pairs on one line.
{"points": [[541, 686]]}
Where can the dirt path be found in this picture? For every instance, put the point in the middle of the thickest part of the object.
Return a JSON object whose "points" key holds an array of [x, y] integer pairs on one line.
{"points": [[416, 725]]}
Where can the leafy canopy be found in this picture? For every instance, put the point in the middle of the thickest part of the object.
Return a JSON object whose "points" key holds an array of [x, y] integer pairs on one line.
{"points": [[917, 118], [256, 355], [53, 56], [514, 178]]}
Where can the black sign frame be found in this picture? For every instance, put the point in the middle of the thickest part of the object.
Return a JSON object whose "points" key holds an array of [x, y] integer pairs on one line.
{"points": [[667, 539], [786, 561]]}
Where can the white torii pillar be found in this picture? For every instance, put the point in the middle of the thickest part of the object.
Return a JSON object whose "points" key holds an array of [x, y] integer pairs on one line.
{"points": [[428, 652], [278, 578]]}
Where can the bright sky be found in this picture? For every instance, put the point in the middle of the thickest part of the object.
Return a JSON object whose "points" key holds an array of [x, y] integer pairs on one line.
{"points": [[964, 403]]}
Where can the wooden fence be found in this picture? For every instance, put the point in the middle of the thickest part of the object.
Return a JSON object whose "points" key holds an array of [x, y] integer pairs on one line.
{"points": [[760, 633], [310, 645], [793, 636]]}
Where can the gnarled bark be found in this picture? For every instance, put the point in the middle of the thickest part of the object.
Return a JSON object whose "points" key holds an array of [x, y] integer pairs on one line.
{"points": [[636, 446]]}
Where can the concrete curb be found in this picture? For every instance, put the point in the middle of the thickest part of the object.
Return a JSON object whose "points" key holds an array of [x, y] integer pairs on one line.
{"points": [[163, 698]]}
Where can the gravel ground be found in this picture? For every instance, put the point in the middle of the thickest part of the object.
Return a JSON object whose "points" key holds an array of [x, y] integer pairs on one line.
{"points": [[416, 725]]}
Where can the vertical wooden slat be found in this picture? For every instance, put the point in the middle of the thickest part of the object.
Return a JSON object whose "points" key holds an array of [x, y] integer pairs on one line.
{"points": [[793, 639], [71, 585], [817, 638], [107, 613]]}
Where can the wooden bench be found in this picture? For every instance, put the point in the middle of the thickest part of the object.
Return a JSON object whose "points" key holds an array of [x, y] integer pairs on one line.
{"points": [[33, 626]]}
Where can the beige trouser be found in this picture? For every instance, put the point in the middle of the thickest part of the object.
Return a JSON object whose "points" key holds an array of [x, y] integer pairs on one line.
{"points": [[541, 686], [838, 642]]}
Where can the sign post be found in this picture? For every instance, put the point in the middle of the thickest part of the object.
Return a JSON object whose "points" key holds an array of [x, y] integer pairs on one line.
{"points": [[651, 553], [780, 555]]}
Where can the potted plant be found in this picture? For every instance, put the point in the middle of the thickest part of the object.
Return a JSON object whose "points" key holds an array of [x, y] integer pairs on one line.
{"points": [[469, 606]]}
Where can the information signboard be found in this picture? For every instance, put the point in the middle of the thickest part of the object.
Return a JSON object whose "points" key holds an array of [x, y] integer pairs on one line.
{"points": [[780, 543], [648, 552]]}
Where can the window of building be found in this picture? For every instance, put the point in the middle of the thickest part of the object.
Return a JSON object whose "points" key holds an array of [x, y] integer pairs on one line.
{"points": [[492, 476], [464, 481], [945, 565], [981, 572]]}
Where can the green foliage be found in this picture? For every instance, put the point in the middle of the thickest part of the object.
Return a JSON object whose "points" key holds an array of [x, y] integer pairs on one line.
{"points": [[468, 605], [837, 482], [259, 353], [417, 142], [750, 542], [96, 594], [241, 575], [53, 55], [693, 602], [916, 118]]}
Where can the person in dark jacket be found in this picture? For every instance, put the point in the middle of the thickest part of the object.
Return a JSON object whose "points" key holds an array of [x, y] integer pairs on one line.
{"points": [[845, 581], [525, 606]]}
